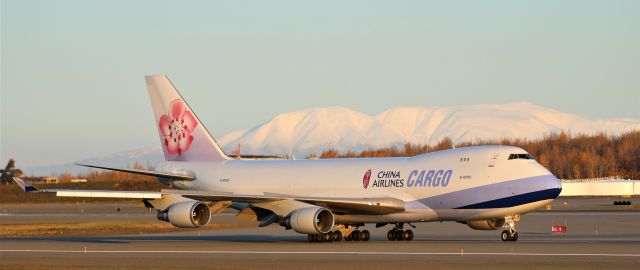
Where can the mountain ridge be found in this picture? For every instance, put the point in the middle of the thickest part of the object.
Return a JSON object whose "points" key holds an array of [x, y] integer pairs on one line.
{"points": [[417, 125]]}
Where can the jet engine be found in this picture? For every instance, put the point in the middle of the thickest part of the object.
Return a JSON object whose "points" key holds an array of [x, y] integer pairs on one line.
{"points": [[310, 220], [186, 214], [490, 224]]}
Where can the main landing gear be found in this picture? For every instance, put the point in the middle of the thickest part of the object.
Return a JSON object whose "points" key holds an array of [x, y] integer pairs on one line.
{"points": [[510, 234], [354, 235], [397, 233], [358, 236]]}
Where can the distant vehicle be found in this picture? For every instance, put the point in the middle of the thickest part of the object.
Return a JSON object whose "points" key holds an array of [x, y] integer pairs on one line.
{"points": [[486, 187]]}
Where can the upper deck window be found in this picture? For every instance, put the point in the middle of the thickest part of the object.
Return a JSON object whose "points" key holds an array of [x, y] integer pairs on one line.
{"points": [[520, 156]]}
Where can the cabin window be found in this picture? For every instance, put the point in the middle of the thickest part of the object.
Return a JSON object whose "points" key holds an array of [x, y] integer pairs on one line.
{"points": [[520, 156]]}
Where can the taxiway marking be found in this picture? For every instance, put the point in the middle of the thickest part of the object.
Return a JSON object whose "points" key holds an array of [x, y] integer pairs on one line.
{"points": [[326, 252]]}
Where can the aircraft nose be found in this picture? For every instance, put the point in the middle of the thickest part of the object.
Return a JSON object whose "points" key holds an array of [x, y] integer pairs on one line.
{"points": [[554, 185]]}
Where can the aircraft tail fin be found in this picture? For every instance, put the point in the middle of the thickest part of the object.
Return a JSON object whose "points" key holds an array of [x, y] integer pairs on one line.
{"points": [[182, 135]]}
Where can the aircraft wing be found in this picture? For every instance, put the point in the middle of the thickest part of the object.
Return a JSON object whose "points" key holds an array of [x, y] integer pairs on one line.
{"points": [[173, 176], [376, 205], [90, 193]]}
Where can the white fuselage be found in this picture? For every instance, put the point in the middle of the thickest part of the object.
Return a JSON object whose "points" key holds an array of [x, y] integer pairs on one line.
{"points": [[471, 183]]}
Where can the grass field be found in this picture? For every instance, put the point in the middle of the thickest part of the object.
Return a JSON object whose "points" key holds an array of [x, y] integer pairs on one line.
{"points": [[103, 228]]}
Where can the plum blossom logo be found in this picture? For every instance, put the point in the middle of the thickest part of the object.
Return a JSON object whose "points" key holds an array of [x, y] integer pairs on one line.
{"points": [[177, 127], [366, 178]]}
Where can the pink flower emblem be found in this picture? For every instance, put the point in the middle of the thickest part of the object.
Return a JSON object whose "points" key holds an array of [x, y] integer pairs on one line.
{"points": [[366, 178], [176, 127]]}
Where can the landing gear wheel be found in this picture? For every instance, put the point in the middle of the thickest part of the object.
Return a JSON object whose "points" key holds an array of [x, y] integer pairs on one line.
{"points": [[391, 235], [505, 236], [337, 236], [355, 235], [365, 235], [399, 235], [408, 235], [510, 234], [327, 237], [312, 238]]}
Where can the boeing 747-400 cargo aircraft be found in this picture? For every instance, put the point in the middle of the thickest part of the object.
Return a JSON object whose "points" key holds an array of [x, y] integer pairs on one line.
{"points": [[486, 187]]}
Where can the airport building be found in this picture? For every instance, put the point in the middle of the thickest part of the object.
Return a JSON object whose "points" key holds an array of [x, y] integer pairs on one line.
{"points": [[609, 186]]}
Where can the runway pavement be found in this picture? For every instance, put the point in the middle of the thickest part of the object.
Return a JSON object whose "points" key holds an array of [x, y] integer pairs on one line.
{"points": [[595, 240]]}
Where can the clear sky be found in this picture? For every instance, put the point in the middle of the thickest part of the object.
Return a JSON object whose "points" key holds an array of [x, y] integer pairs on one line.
{"points": [[72, 72]]}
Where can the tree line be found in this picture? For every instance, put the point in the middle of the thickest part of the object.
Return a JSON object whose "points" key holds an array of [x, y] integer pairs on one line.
{"points": [[566, 156]]}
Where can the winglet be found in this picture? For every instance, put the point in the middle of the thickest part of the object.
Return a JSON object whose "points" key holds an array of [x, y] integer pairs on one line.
{"points": [[26, 187]]}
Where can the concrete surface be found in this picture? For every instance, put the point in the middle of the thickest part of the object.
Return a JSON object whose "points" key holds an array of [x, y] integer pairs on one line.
{"points": [[594, 240]]}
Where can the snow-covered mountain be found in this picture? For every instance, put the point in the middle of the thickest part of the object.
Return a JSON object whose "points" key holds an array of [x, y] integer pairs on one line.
{"points": [[312, 130], [316, 129]]}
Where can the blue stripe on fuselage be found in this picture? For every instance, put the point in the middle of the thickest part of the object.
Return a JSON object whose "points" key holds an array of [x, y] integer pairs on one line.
{"points": [[507, 193], [516, 200]]}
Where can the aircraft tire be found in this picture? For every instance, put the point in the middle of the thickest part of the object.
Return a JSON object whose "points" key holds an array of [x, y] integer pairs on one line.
{"points": [[408, 235], [365, 235], [505, 236], [337, 236], [514, 237], [312, 238], [355, 235], [327, 237], [391, 235], [399, 235]]}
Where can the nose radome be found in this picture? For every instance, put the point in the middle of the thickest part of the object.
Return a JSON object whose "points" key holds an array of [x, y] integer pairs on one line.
{"points": [[551, 182], [554, 184]]}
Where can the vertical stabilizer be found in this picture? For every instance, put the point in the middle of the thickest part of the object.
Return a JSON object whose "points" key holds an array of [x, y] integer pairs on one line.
{"points": [[182, 135]]}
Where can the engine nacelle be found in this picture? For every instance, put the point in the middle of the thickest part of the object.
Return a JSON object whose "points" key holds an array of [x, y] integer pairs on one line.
{"points": [[490, 224], [186, 214], [311, 220]]}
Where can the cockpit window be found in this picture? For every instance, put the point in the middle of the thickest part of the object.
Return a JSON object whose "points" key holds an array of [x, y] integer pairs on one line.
{"points": [[520, 156]]}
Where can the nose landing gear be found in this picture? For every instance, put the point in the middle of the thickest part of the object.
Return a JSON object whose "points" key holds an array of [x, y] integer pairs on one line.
{"points": [[510, 234]]}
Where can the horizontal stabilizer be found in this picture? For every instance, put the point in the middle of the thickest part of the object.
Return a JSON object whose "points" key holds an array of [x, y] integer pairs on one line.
{"points": [[173, 176], [24, 185]]}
